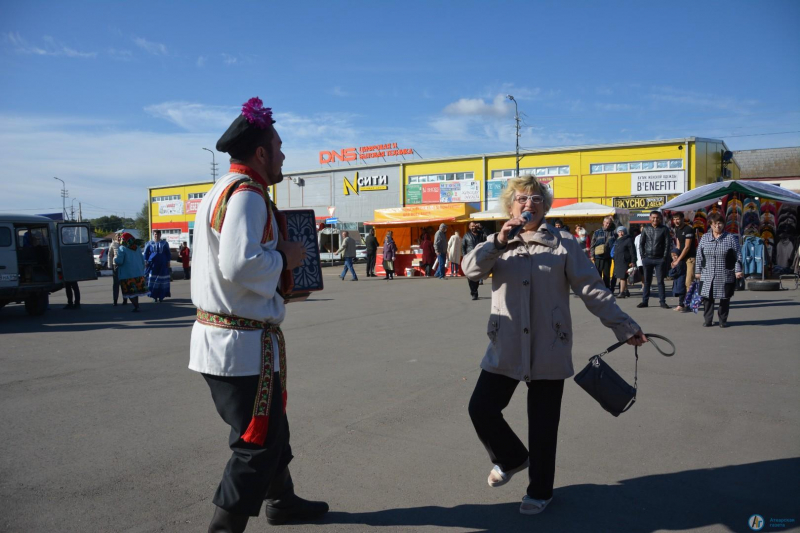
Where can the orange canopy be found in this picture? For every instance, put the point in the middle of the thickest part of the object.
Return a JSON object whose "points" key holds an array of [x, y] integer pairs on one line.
{"points": [[407, 223]]}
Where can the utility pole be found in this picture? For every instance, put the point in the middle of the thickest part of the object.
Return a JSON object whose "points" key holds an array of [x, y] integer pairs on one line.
{"points": [[213, 165], [516, 119], [63, 197]]}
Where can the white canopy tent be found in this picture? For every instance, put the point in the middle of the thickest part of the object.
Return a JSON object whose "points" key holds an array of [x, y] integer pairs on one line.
{"points": [[586, 210], [709, 194]]}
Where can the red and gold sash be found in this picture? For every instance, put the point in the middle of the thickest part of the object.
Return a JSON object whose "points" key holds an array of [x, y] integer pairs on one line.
{"points": [[257, 430]]}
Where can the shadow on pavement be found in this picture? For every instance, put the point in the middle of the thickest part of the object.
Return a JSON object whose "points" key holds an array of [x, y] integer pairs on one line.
{"points": [[92, 317], [693, 499], [771, 322]]}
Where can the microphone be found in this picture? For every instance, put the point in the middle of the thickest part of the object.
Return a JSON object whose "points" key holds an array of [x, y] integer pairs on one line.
{"points": [[526, 216]]}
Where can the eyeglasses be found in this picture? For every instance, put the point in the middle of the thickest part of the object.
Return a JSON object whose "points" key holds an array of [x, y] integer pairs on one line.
{"points": [[522, 199]]}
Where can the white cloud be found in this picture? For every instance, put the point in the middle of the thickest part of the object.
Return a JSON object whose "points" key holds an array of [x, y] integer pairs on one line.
{"points": [[499, 107], [51, 47], [120, 55], [615, 107], [157, 49], [201, 61], [194, 117], [705, 100], [338, 91], [229, 59]]}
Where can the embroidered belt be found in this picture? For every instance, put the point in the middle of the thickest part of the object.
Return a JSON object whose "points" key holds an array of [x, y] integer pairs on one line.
{"points": [[257, 430]]}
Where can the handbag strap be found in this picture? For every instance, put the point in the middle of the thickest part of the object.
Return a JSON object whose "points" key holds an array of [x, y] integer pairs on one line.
{"points": [[650, 337]]}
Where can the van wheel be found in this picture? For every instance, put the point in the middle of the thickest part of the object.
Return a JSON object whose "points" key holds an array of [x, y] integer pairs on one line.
{"points": [[36, 305]]}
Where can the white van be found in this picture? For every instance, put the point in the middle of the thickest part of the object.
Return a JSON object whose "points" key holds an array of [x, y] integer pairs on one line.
{"points": [[37, 255]]}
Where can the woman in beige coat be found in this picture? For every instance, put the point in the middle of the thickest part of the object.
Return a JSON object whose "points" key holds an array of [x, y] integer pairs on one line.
{"points": [[530, 334], [454, 253]]}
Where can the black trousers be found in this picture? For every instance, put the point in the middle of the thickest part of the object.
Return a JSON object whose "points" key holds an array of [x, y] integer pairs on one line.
{"points": [[657, 266], [724, 306], [73, 292], [603, 265], [251, 468], [371, 264], [427, 267], [115, 287], [491, 395], [187, 272], [473, 287]]}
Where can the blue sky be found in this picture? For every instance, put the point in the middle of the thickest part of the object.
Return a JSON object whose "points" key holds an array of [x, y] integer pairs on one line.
{"points": [[114, 97]]}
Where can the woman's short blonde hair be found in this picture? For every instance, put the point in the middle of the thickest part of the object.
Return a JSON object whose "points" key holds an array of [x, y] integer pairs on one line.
{"points": [[528, 184]]}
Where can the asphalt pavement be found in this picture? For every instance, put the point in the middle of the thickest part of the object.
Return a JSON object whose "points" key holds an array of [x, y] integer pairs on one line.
{"points": [[105, 429]]}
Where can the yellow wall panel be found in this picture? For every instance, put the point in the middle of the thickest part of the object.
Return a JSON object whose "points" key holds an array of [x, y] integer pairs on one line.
{"points": [[565, 187], [594, 185], [618, 184], [444, 167]]}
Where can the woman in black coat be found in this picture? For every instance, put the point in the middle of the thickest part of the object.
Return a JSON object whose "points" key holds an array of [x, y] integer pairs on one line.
{"points": [[624, 258]]}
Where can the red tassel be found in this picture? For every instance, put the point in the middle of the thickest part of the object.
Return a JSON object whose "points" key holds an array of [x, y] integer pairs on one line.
{"points": [[257, 430], [284, 401]]}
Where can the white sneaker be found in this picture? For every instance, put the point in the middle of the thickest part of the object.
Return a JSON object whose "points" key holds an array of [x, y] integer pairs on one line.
{"points": [[532, 505], [498, 478]]}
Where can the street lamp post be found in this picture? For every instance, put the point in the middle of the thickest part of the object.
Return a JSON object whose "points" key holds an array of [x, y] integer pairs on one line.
{"points": [[72, 209], [213, 165], [63, 197], [516, 119]]}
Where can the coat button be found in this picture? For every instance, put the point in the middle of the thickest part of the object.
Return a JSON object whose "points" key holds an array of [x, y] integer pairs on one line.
{"points": [[525, 330], [525, 282]]}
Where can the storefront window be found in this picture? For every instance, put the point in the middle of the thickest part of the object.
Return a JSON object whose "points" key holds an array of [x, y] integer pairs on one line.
{"points": [[648, 165], [635, 166], [609, 168], [563, 170], [596, 169], [675, 163], [662, 164], [622, 167], [413, 179]]}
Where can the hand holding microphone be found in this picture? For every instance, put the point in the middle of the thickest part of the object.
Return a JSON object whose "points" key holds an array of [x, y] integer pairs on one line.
{"points": [[513, 227]]}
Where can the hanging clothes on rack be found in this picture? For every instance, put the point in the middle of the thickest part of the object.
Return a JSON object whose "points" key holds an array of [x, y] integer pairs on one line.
{"points": [[753, 255]]}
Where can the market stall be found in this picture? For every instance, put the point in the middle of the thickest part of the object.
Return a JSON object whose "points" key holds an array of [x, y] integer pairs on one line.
{"points": [[408, 224], [588, 214]]}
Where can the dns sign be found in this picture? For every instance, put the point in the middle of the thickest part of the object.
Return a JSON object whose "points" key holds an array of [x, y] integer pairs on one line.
{"points": [[329, 156]]}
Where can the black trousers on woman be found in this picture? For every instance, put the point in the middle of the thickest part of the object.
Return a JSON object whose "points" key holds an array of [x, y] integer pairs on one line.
{"points": [[724, 305], [251, 468], [603, 266], [492, 394]]}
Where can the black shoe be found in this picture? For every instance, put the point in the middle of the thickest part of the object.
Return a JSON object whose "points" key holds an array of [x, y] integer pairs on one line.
{"points": [[474, 296], [627, 293], [283, 505], [664, 306], [225, 522], [642, 304], [354, 279], [341, 278], [124, 302], [115, 304], [723, 324], [68, 306], [707, 324], [621, 295], [135, 310]]}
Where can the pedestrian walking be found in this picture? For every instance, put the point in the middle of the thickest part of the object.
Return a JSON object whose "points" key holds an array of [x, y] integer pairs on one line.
{"points": [[624, 258], [73, 295], [687, 252], [472, 238], [678, 274], [112, 254], [428, 254], [156, 259], [654, 247], [348, 249], [185, 255], [440, 247], [718, 265], [530, 335], [237, 344], [371, 244], [130, 269], [389, 253], [454, 253], [600, 249]]}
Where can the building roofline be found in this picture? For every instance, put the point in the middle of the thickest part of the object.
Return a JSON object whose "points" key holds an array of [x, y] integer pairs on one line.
{"points": [[507, 154], [180, 184]]}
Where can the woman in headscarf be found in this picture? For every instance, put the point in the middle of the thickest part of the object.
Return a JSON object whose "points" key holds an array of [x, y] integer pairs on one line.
{"points": [[454, 253], [130, 270], [582, 238], [624, 258], [389, 252]]}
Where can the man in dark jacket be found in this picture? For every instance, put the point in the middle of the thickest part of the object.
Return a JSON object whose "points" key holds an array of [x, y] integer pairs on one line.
{"points": [[472, 239], [440, 247], [604, 237], [654, 248], [372, 251]]}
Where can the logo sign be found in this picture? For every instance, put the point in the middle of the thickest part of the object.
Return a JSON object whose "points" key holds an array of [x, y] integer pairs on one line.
{"points": [[444, 192], [364, 152], [192, 205], [366, 183], [332, 220], [664, 182], [171, 207], [639, 202], [756, 522]]}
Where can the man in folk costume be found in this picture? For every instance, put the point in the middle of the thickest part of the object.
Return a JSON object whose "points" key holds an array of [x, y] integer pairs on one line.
{"points": [[240, 257]]}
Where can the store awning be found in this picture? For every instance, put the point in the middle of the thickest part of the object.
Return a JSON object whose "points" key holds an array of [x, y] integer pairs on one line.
{"points": [[421, 214], [481, 216], [585, 209], [709, 194]]}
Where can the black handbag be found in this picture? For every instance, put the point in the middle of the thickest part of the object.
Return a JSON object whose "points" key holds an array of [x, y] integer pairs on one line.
{"points": [[606, 386]]}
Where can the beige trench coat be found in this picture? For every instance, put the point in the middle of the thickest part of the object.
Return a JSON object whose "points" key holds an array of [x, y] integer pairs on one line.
{"points": [[530, 328]]}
